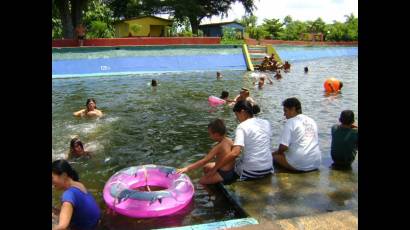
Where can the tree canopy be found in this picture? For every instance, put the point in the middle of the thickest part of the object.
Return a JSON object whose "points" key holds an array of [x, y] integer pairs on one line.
{"points": [[98, 16]]}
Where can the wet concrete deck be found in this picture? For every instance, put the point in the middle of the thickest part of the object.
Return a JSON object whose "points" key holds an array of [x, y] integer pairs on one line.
{"points": [[287, 195], [339, 220]]}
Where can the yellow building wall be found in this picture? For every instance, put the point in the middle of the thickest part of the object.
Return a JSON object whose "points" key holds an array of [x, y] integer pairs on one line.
{"points": [[147, 24]]}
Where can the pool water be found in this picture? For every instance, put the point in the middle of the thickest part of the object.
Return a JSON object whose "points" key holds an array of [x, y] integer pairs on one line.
{"points": [[168, 126]]}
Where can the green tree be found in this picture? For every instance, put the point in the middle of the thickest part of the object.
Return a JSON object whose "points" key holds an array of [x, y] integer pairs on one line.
{"points": [[99, 29], [71, 14], [273, 27], [317, 26], [287, 20], [135, 28], [196, 10], [294, 29], [250, 24], [134, 8], [98, 16]]}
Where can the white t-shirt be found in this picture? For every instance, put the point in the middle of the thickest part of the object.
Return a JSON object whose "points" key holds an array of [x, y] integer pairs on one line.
{"points": [[254, 135], [301, 137]]}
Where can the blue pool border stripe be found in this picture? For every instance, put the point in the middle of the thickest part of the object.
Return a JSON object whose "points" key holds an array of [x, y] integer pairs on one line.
{"points": [[146, 64], [217, 225]]}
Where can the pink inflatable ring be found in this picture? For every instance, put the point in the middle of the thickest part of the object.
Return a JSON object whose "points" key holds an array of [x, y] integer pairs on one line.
{"points": [[120, 196], [215, 101]]}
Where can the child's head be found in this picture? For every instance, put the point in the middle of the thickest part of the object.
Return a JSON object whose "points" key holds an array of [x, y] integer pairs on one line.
{"points": [[347, 117], [154, 82], [218, 74], [76, 146], [340, 85], [224, 94], [306, 69], [91, 104], [216, 129]]}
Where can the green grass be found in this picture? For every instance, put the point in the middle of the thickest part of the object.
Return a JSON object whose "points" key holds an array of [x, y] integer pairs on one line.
{"points": [[232, 41]]}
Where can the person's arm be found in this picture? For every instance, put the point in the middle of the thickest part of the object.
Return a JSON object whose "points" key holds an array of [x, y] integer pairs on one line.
{"points": [[284, 139], [79, 113], [96, 113], [281, 150], [201, 162], [65, 216], [235, 152]]}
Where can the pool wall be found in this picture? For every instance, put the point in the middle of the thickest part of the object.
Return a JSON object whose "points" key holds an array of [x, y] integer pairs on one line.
{"points": [[146, 64], [298, 43], [137, 41]]}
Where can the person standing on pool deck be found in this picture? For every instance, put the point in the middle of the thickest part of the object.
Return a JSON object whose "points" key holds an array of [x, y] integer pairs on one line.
{"points": [[299, 145], [253, 138], [344, 141], [90, 111], [80, 31], [226, 174], [79, 209]]}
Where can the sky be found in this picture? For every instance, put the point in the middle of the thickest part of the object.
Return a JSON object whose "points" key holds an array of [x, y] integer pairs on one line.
{"points": [[303, 10]]}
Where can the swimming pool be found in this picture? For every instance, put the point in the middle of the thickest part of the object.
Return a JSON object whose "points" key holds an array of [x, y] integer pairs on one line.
{"points": [[109, 61], [168, 126]]}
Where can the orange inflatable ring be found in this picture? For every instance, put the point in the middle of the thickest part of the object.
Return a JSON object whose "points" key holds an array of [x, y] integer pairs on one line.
{"points": [[331, 83]]}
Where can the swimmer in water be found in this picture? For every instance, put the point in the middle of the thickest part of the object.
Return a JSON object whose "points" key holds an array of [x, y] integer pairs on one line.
{"points": [[225, 95], [244, 95], [154, 82], [218, 76], [77, 149], [90, 111]]}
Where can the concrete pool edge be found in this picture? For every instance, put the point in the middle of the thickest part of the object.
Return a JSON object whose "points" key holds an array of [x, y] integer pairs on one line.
{"points": [[217, 225], [345, 219]]}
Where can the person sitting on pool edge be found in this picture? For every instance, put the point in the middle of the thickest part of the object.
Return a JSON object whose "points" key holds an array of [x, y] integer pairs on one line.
{"points": [[253, 138], [90, 111], [77, 149], [344, 141], [79, 210], [299, 143], [226, 174]]}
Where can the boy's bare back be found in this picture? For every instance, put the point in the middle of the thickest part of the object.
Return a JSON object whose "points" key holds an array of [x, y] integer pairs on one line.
{"points": [[224, 148]]}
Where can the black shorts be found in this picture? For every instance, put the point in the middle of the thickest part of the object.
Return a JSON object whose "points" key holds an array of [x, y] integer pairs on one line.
{"points": [[81, 37], [228, 176]]}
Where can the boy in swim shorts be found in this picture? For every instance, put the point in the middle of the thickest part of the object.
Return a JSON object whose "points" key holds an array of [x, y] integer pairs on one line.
{"points": [[226, 174]]}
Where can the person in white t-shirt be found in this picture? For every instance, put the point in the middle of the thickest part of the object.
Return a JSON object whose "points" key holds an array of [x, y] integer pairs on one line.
{"points": [[253, 136], [299, 145]]}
